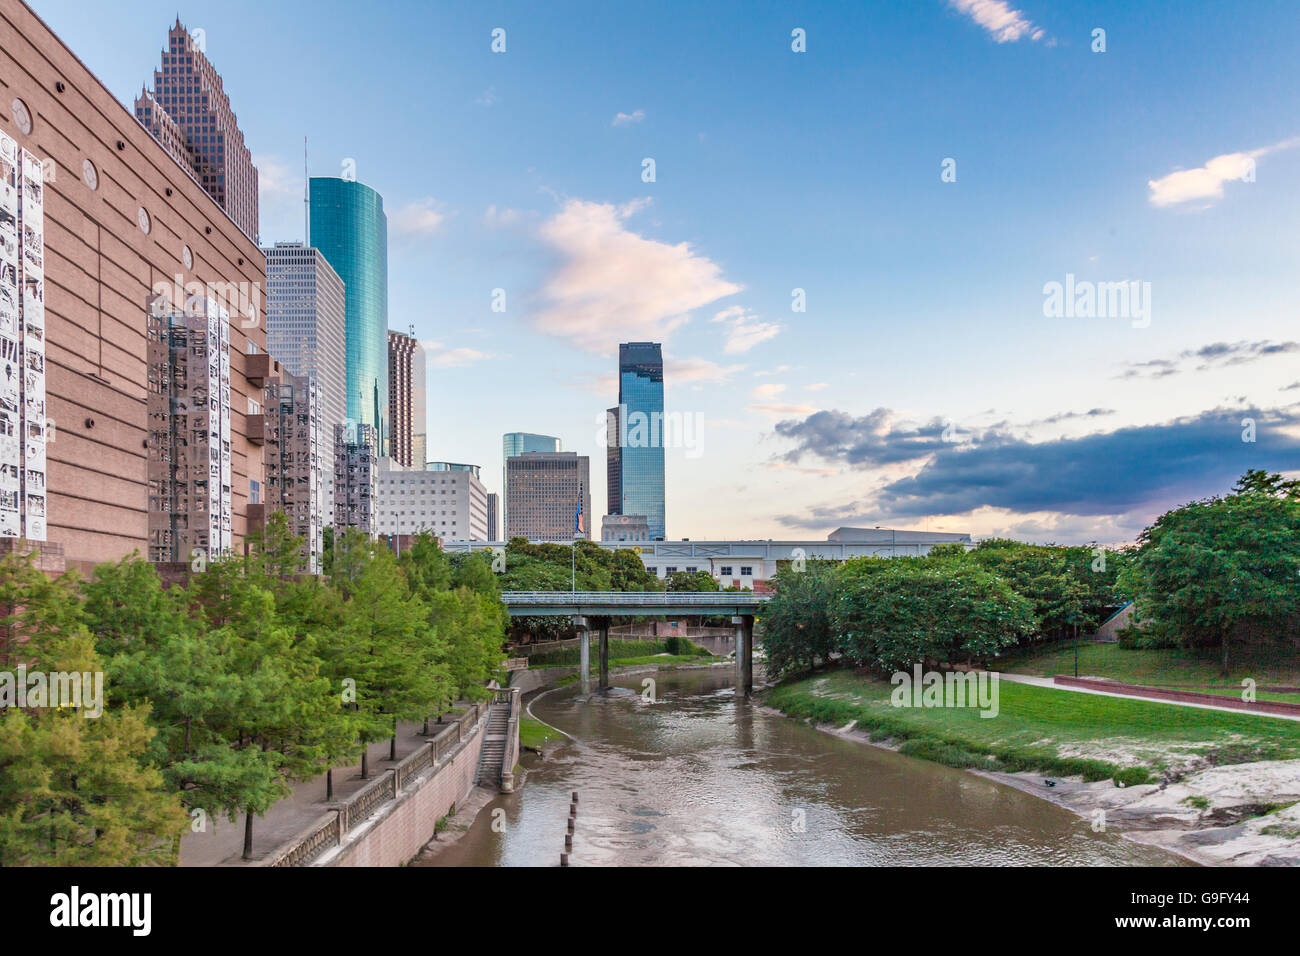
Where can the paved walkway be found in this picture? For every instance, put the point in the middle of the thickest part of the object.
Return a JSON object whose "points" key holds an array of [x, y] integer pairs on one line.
{"points": [[1048, 682], [223, 842]]}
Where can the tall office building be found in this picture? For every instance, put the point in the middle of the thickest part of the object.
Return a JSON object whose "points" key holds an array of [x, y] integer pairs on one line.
{"points": [[638, 420], [516, 443], [189, 469], [288, 428], [306, 332], [493, 516], [613, 463], [545, 494], [120, 220], [405, 367], [446, 499], [189, 113], [419, 409], [346, 222], [356, 478]]}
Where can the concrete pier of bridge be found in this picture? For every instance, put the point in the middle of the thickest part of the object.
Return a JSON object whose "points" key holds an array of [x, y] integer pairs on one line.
{"points": [[584, 626], [744, 625]]}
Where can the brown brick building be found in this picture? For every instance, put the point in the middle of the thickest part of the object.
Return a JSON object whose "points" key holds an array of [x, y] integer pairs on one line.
{"points": [[401, 350], [189, 112], [121, 220]]}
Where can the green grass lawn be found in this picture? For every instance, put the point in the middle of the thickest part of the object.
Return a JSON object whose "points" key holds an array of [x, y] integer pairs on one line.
{"points": [[533, 733], [1039, 728], [1163, 666]]}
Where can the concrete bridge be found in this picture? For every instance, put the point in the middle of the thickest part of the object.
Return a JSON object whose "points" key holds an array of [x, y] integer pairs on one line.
{"points": [[591, 611]]}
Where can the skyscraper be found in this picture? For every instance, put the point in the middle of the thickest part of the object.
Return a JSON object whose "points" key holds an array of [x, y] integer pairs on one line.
{"points": [[118, 219], [639, 434], [613, 462], [547, 495], [189, 114], [306, 331], [348, 225], [419, 410], [404, 356], [516, 443], [189, 430], [356, 478], [289, 430]]}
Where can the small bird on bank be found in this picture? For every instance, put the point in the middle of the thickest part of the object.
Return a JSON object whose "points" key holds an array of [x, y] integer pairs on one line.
{"points": [[1049, 783]]}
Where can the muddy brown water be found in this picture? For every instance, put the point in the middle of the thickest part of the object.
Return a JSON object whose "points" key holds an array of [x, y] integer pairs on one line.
{"points": [[699, 778]]}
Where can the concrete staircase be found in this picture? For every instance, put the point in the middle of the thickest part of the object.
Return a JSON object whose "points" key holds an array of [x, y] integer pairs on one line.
{"points": [[494, 745]]}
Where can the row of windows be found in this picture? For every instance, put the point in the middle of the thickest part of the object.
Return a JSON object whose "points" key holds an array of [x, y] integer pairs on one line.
{"points": [[746, 570]]}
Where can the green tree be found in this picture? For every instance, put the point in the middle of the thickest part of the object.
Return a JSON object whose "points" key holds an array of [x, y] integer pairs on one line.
{"points": [[77, 788], [908, 611], [388, 650], [1222, 571], [797, 631], [700, 581]]}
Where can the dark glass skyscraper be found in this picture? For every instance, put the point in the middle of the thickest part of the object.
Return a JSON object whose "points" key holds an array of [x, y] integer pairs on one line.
{"points": [[348, 225], [640, 430]]}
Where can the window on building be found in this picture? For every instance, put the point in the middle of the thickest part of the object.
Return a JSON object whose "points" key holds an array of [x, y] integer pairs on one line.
{"points": [[746, 570], [725, 570]]}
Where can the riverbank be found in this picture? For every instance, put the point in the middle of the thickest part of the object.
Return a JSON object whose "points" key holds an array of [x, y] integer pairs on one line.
{"points": [[700, 778], [1214, 787]]}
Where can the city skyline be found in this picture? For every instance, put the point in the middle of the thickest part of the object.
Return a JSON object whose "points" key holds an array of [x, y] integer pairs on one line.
{"points": [[927, 383]]}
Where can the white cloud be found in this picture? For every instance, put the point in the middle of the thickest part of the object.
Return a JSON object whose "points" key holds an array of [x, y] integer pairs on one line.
{"points": [[817, 386], [613, 285], [419, 218], [439, 356], [502, 217], [1004, 24], [783, 411], [744, 330], [771, 390], [1206, 182], [697, 371], [627, 119], [279, 195], [488, 97]]}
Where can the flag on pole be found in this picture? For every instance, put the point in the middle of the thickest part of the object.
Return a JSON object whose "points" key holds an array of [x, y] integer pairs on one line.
{"points": [[577, 515]]}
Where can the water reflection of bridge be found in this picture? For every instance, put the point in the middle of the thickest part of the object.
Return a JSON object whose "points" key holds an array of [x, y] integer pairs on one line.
{"points": [[592, 611]]}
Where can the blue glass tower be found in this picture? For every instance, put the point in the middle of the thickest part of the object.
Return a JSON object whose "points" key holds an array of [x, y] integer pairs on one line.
{"points": [[641, 455], [347, 224]]}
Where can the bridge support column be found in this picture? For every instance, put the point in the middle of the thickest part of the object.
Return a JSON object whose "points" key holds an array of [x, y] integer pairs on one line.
{"points": [[584, 654], [744, 626], [604, 658]]}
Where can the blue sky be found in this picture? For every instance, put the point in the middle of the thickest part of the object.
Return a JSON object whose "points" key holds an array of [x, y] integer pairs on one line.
{"points": [[923, 386]]}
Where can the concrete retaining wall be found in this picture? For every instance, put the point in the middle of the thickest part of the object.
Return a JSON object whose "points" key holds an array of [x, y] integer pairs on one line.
{"points": [[400, 830]]}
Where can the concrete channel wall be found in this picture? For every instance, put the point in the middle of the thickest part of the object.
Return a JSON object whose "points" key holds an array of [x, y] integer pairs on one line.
{"points": [[387, 822]]}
